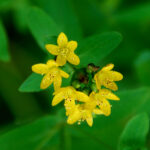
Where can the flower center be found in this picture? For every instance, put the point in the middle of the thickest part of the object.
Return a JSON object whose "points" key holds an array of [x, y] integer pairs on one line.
{"points": [[83, 79], [64, 51], [54, 72]]}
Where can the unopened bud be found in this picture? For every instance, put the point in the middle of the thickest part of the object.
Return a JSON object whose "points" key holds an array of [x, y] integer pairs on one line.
{"points": [[76, 84], [91, 68], [94, 88], [86, 91]]}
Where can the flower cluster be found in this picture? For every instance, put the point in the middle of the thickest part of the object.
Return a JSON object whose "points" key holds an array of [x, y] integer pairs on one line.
{"points": [[79, 105]]}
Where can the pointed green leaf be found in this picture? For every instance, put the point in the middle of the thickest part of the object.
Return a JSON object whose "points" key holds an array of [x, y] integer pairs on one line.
{"points": [[97, 47], [41, 26], [63, 14], [20, 13], [135, 132], [32, 83], [4, 55]]}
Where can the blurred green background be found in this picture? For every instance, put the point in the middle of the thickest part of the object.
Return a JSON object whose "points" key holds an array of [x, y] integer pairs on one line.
{"points": [[27, 120]]}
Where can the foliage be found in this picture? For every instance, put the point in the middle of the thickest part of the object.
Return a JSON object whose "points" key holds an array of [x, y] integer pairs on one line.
{"points": [[110, 31]]}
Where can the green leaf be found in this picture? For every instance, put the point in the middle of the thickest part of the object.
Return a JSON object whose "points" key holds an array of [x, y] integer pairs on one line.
{"points": [[32, 83], [36, 135], [142, 64], [47, 133], [144, 148], [20, 13], [5, 5], [4, 55], [136, 15], [41, 26], [63, 15], [97, 47], [135, 132]]}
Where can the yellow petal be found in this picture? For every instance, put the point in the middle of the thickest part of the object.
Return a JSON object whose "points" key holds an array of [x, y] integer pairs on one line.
{"points": [[74, 117], [108, 94], [105, 79], [111, 85], [62, 40], [70, 92], [61, 60], [81, 96], [70, 102], [40, 68], [66, 90], [57, 82], [108, 67], [59, 90], [92, 94], [64, 74], [90, 105], [46, 81], [72, 45], [115, 76], [105, 107], [53, 49], [98, 111], [73, 59], [70, 106], [98, 85], [58, 98], [89, 119], [52, 63]]}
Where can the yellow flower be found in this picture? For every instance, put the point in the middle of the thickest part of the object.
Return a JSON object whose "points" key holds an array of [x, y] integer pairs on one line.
{"points": [[84, 111], [68, 94], [73, 110], [52, 74], [80, 113], [64, 51], [101, 100], [106, 77]]}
